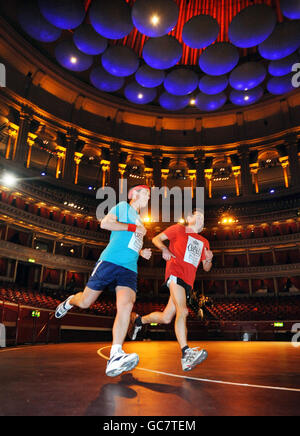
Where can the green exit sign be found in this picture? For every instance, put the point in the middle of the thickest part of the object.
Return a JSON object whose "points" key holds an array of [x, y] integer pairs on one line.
{"points": [[35, 314], [278, 324]]}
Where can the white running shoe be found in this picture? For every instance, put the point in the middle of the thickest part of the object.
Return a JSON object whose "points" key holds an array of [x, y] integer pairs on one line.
{"points": [[120, 362], [193, 357], [61, 309]]}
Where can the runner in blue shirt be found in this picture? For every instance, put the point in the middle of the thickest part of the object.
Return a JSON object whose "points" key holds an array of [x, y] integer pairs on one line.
{"points": [[117, 265]]}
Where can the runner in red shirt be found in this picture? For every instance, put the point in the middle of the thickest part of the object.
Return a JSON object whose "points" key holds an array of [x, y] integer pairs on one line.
{"points": [[186, 251]]}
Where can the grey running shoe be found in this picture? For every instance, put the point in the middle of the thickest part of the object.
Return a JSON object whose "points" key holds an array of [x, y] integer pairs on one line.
{"points": [[61, 309], [193, 357], [133, 329], [121, 362]]}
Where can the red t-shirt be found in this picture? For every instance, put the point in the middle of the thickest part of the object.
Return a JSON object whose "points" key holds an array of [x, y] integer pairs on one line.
{"points": [[189, 249]]}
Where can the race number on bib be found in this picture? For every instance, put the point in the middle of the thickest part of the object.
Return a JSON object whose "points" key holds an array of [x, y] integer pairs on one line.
{"points": [[193, 251], [136, 242]]}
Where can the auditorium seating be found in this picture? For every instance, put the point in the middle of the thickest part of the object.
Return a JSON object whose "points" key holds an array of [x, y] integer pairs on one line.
{"points": [[221, 309]]}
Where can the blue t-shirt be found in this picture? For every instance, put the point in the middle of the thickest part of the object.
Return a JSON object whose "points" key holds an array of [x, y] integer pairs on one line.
{"points": [[124, 247]]}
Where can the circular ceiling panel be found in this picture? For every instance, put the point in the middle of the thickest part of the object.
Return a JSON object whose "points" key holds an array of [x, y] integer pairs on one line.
{"points": [[111, 19], [71, 58], [138, 94], [283, 66], [290, 9], [173, 102], [156, 17], [35, 25], [149, 77], [162, 53], [209, 103], [246, 98], [247, 76], [181, 82], [284, 41], [89, 41], [280, 85], [219, 59], [104, 81], [65, 14], [213, 85], [120, 61], [200, 31], [252, 26]]}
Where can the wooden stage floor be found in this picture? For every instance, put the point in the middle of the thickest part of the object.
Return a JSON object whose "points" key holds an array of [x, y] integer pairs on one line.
{"points": [[238, 378]]}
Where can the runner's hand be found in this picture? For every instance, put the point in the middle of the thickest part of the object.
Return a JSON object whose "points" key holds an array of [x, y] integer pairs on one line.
{"points": [[146, 253], [208, 255], [166, 254]]}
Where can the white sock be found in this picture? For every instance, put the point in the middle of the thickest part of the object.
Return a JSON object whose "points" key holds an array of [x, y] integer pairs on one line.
{"points": [[115, 349], [67, 305]]}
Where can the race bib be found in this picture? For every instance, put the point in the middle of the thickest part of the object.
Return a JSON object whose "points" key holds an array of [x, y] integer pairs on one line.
{"points": [[193, 251], [136, 242]]}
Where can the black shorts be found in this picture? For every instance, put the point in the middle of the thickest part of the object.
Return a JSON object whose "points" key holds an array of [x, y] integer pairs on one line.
{"points": [[180, 282]]}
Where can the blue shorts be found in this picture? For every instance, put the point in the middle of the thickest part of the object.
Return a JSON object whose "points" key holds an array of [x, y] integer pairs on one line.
{"points": [[112, 275]]}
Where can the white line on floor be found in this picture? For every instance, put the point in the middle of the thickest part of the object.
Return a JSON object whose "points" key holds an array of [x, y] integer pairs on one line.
{"points": [[278, 388]]}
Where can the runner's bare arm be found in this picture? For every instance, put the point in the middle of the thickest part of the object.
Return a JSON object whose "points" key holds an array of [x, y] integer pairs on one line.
{"points": [[158, 242], [110, 222]]}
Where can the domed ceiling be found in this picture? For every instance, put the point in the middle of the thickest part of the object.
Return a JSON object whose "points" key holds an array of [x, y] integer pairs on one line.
{"points": [[170, 54]]}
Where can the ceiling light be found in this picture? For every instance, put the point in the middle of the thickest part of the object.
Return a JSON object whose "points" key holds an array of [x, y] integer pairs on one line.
{"points": [[9, 179], [246, 97], [192, 101], [73, 60], [140, 96], [154, 20]]}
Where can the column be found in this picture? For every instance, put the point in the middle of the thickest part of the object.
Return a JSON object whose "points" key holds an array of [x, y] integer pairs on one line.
{"points": [[41, 276], [245, 171], [20, 150], [274, 256], [15, 271], [61, 154], [77, 160], [250, 286], [122, 168], [69, 167], [105, 169], [30, 142], [275, 285], [157, 158], [114, 166], [248, 257], [192, 177], [148, 174], [254, 171], [236, 173], [284, 162], [6, 232], [164, 176], [208, 175], [12, 135], [199, 160], [292, 146], [225, 287]]}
